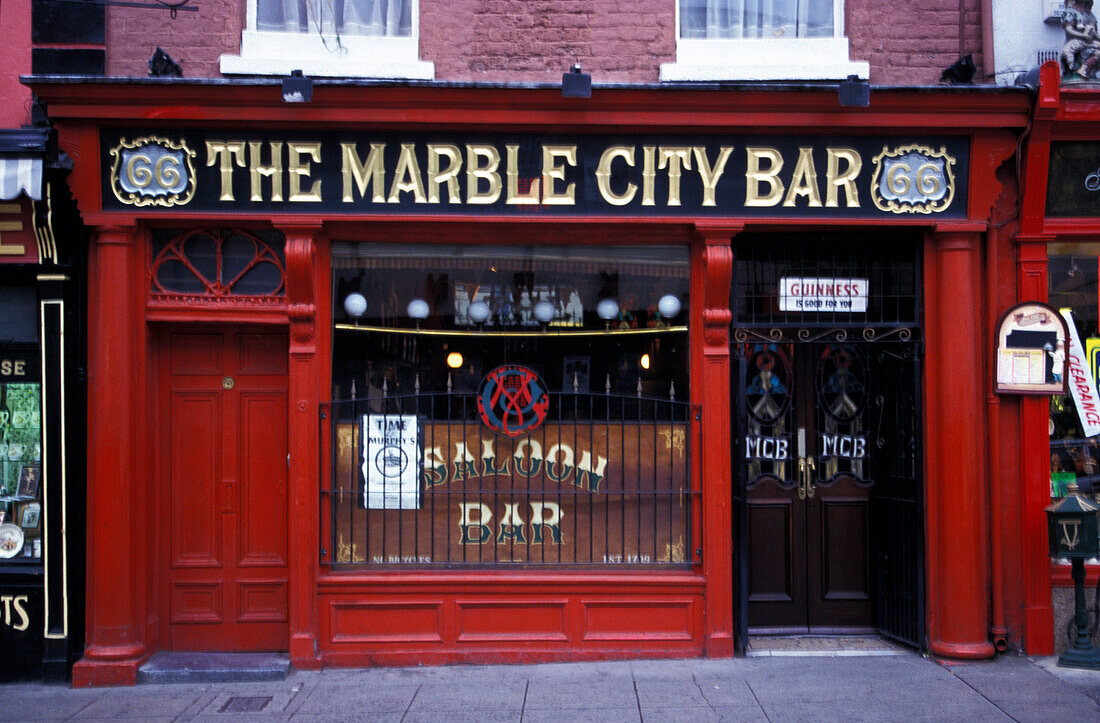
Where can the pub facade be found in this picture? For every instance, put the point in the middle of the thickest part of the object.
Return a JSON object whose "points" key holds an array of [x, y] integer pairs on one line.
{"points": [[474, 373]]}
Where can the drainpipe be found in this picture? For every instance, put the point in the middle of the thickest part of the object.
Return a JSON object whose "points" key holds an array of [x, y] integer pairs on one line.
{"points": [[989, 67]]}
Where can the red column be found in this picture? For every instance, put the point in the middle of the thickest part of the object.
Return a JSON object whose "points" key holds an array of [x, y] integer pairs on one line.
{"points": [[714, 391], [115, 546], [302, 441], [958, 577]]}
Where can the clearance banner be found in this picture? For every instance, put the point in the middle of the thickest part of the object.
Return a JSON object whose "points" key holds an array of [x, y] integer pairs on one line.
{"points": [[1082, 381]]}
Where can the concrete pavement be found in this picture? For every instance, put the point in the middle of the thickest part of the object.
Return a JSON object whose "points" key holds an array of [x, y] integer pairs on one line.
{"points": [[905, 687]]}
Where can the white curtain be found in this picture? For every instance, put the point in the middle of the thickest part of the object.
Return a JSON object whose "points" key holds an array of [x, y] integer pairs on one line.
{"points": [[756, 18], [349, 17]]}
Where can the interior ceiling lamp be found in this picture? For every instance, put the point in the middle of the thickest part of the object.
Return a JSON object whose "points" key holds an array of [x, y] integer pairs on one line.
{"points": [[355, 305], [855, 93], [479, 312], [576, 84], [297, 88], [668, 306], [607, 309], [418, 309], [544, 311]]}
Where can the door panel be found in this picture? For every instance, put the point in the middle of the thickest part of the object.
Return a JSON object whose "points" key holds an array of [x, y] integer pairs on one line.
{"points": [[806, 452], [225, 394]]}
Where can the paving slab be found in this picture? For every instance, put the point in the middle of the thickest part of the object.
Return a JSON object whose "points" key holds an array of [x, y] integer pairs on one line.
{"points": [[583, 715], [346, 699], [669, 694], [576, 696], [487, 694]]}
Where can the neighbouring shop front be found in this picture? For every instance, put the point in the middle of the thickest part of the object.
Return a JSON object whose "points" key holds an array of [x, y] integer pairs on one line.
{"points": [[1061, 227], [40, 629], [457, 389]]}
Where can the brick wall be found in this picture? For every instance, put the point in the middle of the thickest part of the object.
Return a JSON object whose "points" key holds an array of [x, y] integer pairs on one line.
{"points": [[537, 40], [912, 47], [192, 39]]}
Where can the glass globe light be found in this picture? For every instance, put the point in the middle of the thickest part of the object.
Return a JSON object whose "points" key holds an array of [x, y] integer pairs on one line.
{"points": [[544, 311], [418, 309], [454, 360], [669, 305], [479, 311], [355, 305], [607, 309]]}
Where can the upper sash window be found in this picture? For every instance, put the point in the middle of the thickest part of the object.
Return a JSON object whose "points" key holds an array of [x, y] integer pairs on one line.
{"points": [[761, 40], [334, 38]]}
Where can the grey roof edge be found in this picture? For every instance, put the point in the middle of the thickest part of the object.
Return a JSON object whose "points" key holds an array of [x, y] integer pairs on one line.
{"points": [[244, 81]]}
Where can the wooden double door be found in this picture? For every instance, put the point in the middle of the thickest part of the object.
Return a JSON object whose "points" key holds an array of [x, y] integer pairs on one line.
{"points": [[806, 446], [223, 495]]}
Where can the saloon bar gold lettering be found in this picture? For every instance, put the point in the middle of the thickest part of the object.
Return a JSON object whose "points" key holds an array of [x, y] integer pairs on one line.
{"points": [[480, 174]]}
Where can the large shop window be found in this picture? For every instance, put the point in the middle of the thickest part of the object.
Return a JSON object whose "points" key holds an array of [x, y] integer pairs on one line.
{"points": [[20, 429], [1074, 421], [345, 38], [761, 40], [510, 405]]}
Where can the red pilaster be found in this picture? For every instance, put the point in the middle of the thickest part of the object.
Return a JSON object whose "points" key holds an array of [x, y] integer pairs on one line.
{"points": [[115, 388], [303, 440], [958, 576], [1035, 476], [716, 478]]}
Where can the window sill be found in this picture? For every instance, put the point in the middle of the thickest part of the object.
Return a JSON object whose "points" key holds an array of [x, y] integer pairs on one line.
{"points": [[763, 59], [265, 53]]}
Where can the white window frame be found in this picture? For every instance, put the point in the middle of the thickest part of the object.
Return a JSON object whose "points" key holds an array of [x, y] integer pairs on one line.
{"points": [[765, 58], [360, 56]]}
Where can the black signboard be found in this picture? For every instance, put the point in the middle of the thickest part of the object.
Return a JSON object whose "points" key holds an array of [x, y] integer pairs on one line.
{"points": [[18, 365], [21, 630], [449, 174]]}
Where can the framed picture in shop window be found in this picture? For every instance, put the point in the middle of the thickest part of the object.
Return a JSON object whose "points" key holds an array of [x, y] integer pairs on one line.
{"points": [[30, 476], [30, 518]]}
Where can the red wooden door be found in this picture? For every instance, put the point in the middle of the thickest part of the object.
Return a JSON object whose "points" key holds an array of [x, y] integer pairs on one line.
{"points": [[224, 507], [807, 454]]}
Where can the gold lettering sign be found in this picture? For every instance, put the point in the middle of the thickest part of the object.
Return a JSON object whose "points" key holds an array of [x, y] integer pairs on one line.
{"points": [[913, 179], [11, 249], [152, 171]]}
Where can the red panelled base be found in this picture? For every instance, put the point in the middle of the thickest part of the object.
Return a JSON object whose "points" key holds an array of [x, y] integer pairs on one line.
{"points": [[388, 622]]}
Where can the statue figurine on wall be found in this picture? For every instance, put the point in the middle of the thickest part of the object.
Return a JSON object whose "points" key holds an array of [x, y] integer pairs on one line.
{"points": [[1081, 52]]}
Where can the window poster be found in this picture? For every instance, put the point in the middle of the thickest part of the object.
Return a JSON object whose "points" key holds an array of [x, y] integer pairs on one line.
{"points": [[391, 462]]}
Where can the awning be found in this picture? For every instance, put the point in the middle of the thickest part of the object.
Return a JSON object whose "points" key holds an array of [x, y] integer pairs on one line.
{"points": [[20, 174]]}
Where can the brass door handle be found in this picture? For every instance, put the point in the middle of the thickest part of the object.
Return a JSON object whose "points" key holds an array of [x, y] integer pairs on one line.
{"points": [[811, 472], [801, 478]]}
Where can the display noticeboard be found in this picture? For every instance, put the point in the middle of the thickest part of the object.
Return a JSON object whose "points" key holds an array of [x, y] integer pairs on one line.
{"points": [[1032, 349]]}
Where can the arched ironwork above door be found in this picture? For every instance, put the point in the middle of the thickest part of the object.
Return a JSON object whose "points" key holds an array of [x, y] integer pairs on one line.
{"points": [[218, 267]]}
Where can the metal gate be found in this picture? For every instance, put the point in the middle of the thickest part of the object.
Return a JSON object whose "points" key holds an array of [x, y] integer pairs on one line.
{"points": [[883, 329]]}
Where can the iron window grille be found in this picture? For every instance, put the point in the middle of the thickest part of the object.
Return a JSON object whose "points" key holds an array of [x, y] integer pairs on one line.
{"points": [[607, 480]]}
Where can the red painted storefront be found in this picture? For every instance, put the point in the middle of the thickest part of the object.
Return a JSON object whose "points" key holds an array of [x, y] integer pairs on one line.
{"points": [[980, 554], [1065, 116]]}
